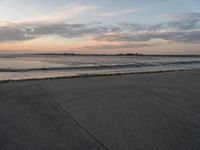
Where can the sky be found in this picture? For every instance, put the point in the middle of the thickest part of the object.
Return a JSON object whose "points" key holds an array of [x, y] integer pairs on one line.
{"points": [[106, 26]]}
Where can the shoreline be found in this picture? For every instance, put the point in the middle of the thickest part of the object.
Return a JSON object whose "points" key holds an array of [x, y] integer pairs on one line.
{"points": [[95, 75]]}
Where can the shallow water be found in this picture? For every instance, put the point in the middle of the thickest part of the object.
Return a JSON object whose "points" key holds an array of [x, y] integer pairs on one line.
{"points": [[17, 67]]}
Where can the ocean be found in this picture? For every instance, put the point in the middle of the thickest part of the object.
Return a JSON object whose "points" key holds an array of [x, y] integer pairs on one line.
{"points": [[21, 66]]}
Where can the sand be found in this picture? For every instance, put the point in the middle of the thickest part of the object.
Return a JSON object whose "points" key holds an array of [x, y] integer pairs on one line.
{"points": [[157, 111]]}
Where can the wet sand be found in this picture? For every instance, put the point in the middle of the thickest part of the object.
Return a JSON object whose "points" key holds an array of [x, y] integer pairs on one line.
{"points": [[158, 111]]}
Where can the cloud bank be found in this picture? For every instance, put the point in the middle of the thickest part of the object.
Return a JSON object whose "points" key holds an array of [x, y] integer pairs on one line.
{"points": [[182, 28]]}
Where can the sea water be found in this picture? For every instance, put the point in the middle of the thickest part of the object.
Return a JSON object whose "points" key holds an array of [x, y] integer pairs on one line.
{"points": [[21, 66]]}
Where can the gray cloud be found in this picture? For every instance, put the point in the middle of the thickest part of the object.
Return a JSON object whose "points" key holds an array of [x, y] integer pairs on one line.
{"points": [[142, 37], [14, 34], [181, 28], [179, 22], [72, 30], [31, 31], [176, 25], [133, 27]]}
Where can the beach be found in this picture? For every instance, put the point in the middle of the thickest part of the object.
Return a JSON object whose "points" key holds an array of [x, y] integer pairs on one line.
{"points": [[158, 111]]}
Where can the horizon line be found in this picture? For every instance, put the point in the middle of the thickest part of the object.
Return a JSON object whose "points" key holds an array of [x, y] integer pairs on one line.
{"points": [[103, 54]]}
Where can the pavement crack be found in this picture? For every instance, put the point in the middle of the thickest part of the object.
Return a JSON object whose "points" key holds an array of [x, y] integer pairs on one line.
{"points": [[79, 125], [74, 120]]}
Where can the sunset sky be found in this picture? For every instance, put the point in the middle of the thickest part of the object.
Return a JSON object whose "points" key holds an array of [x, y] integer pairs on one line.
{"points": [[105, 26]]}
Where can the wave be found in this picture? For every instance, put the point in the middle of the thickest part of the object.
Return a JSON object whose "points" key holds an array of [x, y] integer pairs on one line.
{"points": [[94, 75], [181, 63], [100, 67]]}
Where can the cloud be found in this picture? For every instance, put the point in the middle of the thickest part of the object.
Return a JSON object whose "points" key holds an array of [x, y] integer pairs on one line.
{"points": [[32, 31], [70, 30], [182, 28], [14, 34], [63, 14], [183, 21], [115, 13], [185, 29], [189, 37], [133, 27], [182, 16], [177, 22]]}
